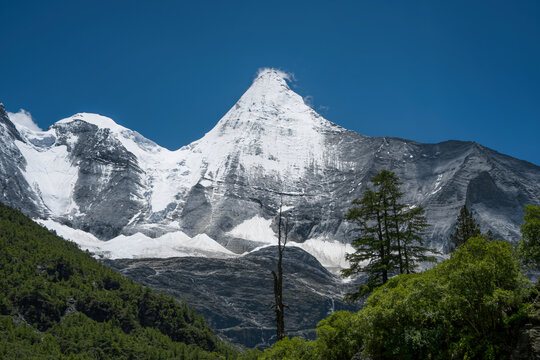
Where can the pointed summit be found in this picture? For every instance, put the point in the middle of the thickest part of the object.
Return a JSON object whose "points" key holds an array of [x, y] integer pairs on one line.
{"points": [[271, 128], [270, 89], [270, 102], [268, 77]]}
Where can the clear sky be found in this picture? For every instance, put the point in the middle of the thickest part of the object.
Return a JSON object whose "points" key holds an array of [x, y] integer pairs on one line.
{"points": [[422, 70]]}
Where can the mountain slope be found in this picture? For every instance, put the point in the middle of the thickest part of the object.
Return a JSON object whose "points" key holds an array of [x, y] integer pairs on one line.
{"points": [[235, 295], [57, 301], [89, 173]]}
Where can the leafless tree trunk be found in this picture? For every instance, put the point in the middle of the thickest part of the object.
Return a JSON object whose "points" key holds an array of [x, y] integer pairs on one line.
{"points": [[278, 277]]}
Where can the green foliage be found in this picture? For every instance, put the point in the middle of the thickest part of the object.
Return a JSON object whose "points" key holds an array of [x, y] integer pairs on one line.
{"points": [[56, 301], [391, 236], [338, 336], [250, 354], [462, 308], [466, 307], [529, 246], [291, 349], [465, 228]]}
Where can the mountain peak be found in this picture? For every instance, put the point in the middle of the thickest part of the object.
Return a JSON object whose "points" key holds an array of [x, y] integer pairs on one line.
{"points": [[270, 105], [270, 92], [99, 120], [270, 127], [269, 85], [268, 75]]}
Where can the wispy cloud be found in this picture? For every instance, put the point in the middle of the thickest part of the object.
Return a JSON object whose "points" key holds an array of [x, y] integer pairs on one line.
{"points": [[23, 118], [324, 108], [308, 100]]}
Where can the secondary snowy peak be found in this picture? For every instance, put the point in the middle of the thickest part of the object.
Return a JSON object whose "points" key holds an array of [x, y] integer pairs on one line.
{"points": [[134, 142], [100, 121]]}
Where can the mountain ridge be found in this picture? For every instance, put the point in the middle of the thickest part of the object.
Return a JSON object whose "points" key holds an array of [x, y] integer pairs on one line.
{"points": [[269, 147]]}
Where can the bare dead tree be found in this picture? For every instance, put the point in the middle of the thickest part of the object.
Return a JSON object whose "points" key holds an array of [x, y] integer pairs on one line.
{"points": [[278, 277]]}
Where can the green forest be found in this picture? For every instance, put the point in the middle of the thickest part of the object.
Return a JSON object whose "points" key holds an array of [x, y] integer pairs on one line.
{"points": [[57, 302]]}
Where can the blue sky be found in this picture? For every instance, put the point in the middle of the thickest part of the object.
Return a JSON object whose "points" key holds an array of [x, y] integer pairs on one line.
{"points": [[422, 70]]}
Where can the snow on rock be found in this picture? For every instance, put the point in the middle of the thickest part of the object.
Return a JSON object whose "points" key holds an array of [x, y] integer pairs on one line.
{"points": [[269, 130], [86, 241], [50, 172], [95, 119], [174, 244], [255, 229], [331, 254], [156, 162]]}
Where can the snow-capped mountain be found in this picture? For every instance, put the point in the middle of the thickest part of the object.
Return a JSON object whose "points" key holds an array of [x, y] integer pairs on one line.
{"points": [[88, 177]]}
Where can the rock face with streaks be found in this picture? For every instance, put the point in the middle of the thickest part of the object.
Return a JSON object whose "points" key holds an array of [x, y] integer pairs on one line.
{"points": [[14, 188], [236, 295]]}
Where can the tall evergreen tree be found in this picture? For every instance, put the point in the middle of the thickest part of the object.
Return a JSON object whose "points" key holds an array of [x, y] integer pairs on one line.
{"points": [[390, 238], [465, 228], [392, 213], [371, 246], [414, 250]]}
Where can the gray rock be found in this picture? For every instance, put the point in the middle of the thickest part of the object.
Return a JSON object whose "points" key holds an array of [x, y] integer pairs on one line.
{"points": [[105, 206], [15, 191], [236, 295]]}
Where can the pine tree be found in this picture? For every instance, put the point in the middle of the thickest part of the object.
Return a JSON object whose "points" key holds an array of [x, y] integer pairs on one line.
{"points": [[465, 228], [392, 211], [390, 238], [371, 245], [413, 242]]}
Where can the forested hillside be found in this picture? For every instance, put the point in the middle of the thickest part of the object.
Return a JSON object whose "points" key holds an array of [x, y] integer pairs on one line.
{"points": [[56, 301]]}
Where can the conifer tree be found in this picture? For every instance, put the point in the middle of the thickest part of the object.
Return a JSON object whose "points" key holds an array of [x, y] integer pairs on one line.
{"points": [[392, 213], [390, 238], [371, 245], [465, 228], [414, 250]]}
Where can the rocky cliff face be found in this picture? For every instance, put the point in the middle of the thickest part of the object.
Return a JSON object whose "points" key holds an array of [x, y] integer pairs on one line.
{"points": [[91, 174], [236, 295], [15, 190]]}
